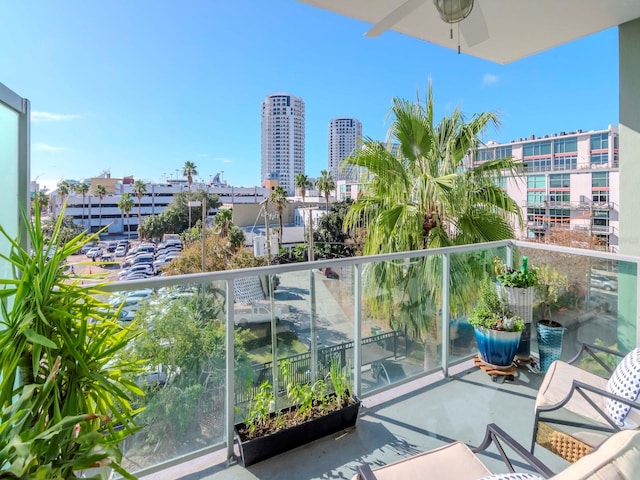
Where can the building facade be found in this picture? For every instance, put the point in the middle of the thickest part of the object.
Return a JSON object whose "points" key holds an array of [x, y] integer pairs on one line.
{"points": [[282, 139], [94, 213], [345, 134], [571, 180]]}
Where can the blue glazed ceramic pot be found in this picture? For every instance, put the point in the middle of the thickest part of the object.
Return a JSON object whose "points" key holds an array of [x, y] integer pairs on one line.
{"points": [[497, 348]]}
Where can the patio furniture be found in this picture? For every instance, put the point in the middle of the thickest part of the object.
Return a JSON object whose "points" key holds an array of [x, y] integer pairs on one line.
{"points": [[618, 457], [576, 410]]}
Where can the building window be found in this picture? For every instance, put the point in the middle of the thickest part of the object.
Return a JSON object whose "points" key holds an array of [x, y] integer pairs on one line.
{"points": [[565, 145], [536, 215], [535, 198], [493, 153], [565, 162], [600, 180], [601, 158], [600, 141], [600, 196], [536, 181], [561, 196], [500, 182], [600, 221], [559, 180], [559, 216], [538, 165], [537, 148]]}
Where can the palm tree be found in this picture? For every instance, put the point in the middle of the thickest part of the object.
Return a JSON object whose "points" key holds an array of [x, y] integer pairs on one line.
{"points": [[126, 204], [302, 182], [63, 191], [101, 192], [139, 189], [82, 188], [43, 200], [224, 220], [325, 185], [421, 197], [189, 170], [279, 199]]}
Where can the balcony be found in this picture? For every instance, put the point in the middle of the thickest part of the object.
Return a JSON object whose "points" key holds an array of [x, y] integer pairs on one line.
{"points": [[429, 392]]}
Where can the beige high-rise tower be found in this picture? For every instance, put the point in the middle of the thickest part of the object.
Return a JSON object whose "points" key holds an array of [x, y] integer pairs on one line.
{"points": [[283, 135]]}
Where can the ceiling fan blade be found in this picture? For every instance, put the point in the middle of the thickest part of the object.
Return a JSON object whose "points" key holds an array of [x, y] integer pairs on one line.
{"points": [[394, 17], [474, 27]]}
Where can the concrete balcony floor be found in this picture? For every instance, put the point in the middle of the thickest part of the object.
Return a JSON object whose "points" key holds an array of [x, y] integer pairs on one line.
{"points": [[398, 423]]}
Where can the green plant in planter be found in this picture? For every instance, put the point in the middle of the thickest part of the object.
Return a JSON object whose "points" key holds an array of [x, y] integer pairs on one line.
{"points": [[523, 277], [64, 392], [304, 396], [260, 408], [340, 381], [493, 313]]}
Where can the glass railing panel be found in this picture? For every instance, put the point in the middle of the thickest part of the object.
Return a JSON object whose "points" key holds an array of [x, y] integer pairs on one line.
{"points": [[401, 324], [182, 345], [314, 319], [592, 298], [467, 271]]}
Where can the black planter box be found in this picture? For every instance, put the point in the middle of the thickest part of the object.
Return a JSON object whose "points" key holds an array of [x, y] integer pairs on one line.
{"points": [[258, 449]]}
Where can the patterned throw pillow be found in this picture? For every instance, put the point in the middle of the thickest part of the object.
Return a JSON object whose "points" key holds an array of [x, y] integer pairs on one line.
{"points": [[625, 383], [513, 476]]}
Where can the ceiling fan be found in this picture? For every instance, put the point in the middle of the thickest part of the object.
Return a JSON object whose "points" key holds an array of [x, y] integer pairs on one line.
{"points": [[473, 29]]}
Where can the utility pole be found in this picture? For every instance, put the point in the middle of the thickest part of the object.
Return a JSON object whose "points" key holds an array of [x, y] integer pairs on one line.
{"points": [[313, 330], [203, 232], [274, 333]]}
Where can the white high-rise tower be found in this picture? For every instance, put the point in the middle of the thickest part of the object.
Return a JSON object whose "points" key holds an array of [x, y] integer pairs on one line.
{"points": [[344, 135], [282, 149]]}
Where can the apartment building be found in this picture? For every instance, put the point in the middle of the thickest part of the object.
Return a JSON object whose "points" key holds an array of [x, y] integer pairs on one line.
{"points": [[345, 133], [571, 180], [282, 139]]}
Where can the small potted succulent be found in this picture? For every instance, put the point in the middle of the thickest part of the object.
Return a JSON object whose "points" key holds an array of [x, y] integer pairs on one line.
{"points": [[497, 328]]}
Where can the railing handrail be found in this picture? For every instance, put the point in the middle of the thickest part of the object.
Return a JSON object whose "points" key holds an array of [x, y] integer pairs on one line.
{"points": [[296, 267], [304, 266]]}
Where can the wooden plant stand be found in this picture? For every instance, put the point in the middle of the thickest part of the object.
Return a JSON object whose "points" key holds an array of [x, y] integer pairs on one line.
{"points": [[508, 374]]}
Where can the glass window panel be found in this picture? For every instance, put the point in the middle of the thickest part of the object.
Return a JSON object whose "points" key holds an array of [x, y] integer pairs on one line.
{"points": [[600, 179], [536, 181]]}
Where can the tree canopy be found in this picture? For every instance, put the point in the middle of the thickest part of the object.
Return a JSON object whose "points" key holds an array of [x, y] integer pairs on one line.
{"points": [[175, 218], [422, 195]]}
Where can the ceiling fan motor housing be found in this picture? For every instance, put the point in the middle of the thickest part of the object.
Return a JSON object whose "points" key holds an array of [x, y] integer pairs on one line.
{"points": [[453, 11]]}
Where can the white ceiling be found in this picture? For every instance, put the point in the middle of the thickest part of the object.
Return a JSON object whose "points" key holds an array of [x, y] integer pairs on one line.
{"points": [[516, 28]]}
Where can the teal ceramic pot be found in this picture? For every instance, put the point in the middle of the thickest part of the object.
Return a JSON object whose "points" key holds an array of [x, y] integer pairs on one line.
{"points": [[497, 348]]}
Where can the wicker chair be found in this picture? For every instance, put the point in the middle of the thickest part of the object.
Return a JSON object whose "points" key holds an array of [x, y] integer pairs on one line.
{"points": [[618, 457], [572, 410]]}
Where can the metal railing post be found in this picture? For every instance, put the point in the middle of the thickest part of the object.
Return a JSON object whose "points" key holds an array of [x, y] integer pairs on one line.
{"points": [[229, 366], [357, 334], [446, 265]]}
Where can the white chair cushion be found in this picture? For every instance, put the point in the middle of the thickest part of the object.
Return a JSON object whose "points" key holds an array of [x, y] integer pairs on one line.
{"points": [[454, 461], [513, 476], [625, 383]]}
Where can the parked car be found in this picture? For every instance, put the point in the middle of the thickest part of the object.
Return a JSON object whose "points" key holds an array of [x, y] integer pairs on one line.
{"points": [[86, 248], [142, 268], [121, 251], [606, 283], [94, 252], [256, 313]]}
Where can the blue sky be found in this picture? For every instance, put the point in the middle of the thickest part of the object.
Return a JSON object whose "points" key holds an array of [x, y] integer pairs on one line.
{"points": [[139, 87]]}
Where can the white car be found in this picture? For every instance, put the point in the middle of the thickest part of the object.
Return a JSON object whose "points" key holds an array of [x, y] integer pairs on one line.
{"points": [[120, 251], [256, 313], [142, 268], [95, 252]]}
